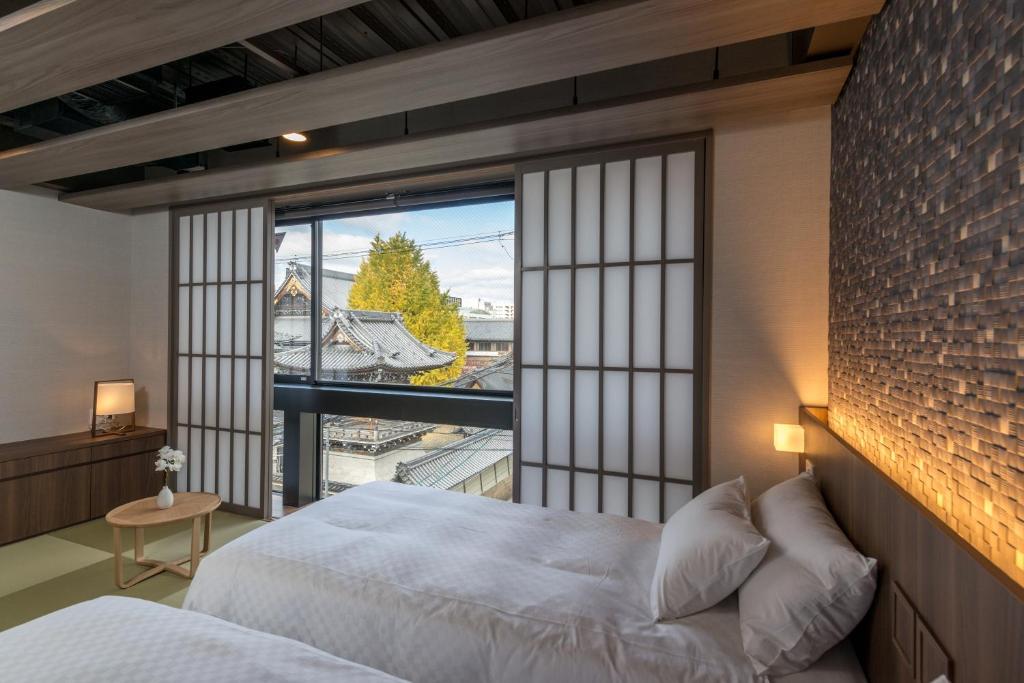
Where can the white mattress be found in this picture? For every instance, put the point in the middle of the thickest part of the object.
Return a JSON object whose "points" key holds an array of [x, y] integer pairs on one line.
{"points": [[113, 639], [437, 586]]}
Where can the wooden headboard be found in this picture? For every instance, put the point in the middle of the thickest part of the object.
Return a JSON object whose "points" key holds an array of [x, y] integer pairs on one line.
{"points": [[941, 607]]}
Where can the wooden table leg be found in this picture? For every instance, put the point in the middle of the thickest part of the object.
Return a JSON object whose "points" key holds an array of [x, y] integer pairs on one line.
{"points": [[140, 543], [118, 567], [194, 556], [208, 533]]}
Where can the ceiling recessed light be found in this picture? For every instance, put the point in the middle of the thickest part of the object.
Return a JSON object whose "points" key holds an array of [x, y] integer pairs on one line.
{"points": [[294, 137]]}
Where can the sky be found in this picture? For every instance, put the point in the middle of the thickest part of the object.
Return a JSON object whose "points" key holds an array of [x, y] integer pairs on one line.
{"points": [[479, 270]]}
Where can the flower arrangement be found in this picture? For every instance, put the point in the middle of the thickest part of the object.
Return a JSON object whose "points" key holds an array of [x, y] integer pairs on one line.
{"points": [[169, 460]]}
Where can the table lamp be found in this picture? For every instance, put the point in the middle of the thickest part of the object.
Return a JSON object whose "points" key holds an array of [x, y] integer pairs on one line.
{"points": [[113, 407]]}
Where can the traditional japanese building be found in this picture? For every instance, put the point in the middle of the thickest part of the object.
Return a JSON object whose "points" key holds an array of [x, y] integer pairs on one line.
{"points": [[487, 339], [481, 463]]}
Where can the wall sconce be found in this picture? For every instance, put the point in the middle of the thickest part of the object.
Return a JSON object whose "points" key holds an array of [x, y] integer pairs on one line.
{"points": [[790, 439], [111, 400]]}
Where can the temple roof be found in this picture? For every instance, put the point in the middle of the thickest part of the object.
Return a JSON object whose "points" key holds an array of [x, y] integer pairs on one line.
{"points": [[363, 341], [498, 376], [336, 284], [456, 462]]}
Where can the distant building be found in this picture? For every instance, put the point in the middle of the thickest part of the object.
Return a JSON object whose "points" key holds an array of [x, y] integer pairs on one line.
{"points": [[486, 309], [487, 339], [457, 300], [480, 464], [498, 376]]}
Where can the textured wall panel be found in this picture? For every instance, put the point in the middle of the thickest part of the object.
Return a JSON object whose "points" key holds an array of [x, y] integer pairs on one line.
{"points": [[927, 263]]}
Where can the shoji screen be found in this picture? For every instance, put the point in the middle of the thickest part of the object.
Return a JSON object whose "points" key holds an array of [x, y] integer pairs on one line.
{"points": [[609, 380], [220, 374]]}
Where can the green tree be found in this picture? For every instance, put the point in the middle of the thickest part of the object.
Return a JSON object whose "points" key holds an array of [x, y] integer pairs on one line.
{"points": [[396, 277]]}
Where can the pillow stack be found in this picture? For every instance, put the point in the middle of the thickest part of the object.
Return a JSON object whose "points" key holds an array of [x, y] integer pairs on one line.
{"points": [[811, 590], [708, 548]]}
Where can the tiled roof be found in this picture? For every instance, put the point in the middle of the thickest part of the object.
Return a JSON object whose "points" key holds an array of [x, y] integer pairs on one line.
{"points": [[458, 461], [498, 376], [362, 341], [336, 284], [483, 329]]}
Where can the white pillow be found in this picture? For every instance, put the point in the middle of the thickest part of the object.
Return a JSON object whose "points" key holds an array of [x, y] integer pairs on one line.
{"points": [[812, 588], [708, 548]]}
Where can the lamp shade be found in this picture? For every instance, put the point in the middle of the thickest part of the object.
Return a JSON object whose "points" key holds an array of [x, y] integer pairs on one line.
{"points": [[789, 438], [115, 398]]}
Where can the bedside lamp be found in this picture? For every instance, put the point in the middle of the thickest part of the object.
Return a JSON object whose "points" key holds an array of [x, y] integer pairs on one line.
{"points": [[113, 399], [790, 439]]}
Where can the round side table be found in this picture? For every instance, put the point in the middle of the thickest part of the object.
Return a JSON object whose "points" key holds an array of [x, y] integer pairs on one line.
{"points": [[144, 513]]}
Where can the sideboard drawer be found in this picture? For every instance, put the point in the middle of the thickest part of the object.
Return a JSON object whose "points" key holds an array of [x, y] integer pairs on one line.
{"points": [[44, 463], [128, 447], [43, 502]]}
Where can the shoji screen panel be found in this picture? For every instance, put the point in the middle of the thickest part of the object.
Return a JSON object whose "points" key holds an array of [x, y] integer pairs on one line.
{"points": [[222, 260], [610, 326]]}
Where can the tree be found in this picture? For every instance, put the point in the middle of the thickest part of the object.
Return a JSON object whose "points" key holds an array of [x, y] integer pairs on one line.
{"points": [[396, 277]]}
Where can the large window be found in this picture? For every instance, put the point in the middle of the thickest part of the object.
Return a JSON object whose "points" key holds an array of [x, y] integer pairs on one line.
{"points": [[416, 301]]}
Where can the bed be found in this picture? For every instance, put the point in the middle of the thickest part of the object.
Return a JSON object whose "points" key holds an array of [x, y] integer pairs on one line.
{"points": [[438, 586], [113, 639]]}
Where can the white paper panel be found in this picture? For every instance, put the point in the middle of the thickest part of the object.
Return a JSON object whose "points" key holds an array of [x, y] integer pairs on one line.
{"points": [[558, 417], [531, 420], [183, 373], [586, 492], [254, 470], [241, 238], [238, 468], [531, 486], [616, 495], [195, 473], [255, 395], [585, 422], [616, 421], [256, 243], [184, 249], [679, 316], [676, 496], [224, 465], [533, 219], [224, 400], [241, 375], [196, 391], [197, 319], [212, 253], [198, 241], [241, 324], [227, 244], [256, 320], [211, 324], [679, 426], [588, 214], [560, 217], [647, 209], [210, 460], [183, 318], [679, 206], [588, 314], [616, 211], [616, 317], [533, 317], [181, 443], [646, 495], [210, 392], [559, 316], [558, 489], [647, 316], [646, 423], [226, 307]]}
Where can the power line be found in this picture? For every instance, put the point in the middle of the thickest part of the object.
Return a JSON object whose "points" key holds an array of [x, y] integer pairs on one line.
{"points": [[428, 245]]}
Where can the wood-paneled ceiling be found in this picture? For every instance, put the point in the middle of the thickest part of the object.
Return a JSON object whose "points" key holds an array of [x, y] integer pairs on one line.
{"points": [[191, 106]]}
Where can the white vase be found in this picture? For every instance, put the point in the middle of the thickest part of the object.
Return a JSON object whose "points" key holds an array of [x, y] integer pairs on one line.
{"points": [[165, 498]]}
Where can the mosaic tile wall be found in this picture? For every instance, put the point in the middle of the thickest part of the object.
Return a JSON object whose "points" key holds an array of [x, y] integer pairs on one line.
{"points": [[926, 353]]}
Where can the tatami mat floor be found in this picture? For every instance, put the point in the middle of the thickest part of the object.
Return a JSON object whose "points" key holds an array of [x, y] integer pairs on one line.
{"points": [[48, 572]]}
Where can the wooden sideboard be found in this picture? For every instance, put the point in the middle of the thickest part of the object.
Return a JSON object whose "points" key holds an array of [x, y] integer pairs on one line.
{"points": [[50, 483]]}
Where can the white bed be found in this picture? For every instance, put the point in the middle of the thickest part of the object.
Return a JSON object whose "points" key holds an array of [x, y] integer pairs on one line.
{"points": [[437, 586], [113, 639]]}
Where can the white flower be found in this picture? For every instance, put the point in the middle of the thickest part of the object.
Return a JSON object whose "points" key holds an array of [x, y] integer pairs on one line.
{"points": [[169, 460]]}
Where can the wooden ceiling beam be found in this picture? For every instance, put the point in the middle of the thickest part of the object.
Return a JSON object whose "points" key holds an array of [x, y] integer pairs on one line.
{"points": [[54, 47], [673, 112], [587, 39]]}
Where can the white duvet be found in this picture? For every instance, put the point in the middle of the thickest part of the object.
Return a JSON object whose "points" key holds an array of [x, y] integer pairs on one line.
{"points": [[437, 586], [114, 639]]}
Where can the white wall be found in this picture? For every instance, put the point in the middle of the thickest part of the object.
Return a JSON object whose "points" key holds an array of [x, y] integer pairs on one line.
{"points": [[147, 330], [769, 331], [65, 278]]}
